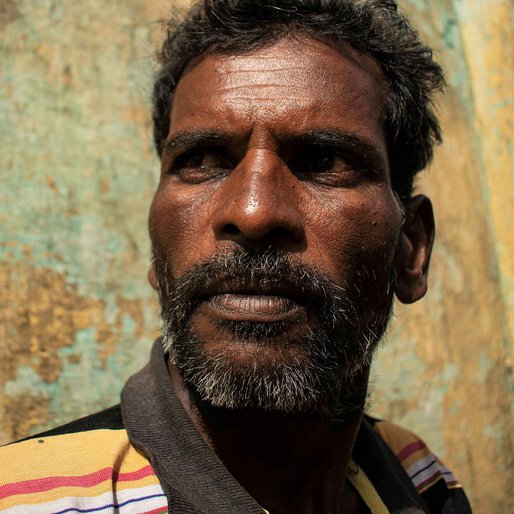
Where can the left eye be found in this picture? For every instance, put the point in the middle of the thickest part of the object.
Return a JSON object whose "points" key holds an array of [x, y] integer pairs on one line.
{"points": [[326, 166], [319, 162]]}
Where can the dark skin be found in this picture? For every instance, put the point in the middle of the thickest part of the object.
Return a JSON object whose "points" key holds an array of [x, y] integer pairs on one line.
{"points": [[284, 147]]}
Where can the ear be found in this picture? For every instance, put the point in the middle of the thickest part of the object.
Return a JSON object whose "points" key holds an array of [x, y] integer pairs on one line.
{"points": [[152, 279], [414, 249]]}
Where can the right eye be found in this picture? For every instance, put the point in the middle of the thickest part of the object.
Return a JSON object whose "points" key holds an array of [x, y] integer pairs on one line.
{"points": [[198, 165]]}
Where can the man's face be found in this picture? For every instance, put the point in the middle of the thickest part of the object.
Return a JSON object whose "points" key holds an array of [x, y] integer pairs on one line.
{"points": [[275, 227]]}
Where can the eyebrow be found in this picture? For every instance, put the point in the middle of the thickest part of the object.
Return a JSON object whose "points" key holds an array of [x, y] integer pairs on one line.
{"points": [[193, 138]]}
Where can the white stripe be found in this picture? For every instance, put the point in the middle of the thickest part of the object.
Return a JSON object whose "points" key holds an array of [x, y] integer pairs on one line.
{"points": [[434, 468], [94, 502], [420, 464]]}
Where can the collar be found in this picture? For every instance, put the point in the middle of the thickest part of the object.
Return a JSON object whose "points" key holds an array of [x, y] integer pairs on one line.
{"points": [[194, 478]]}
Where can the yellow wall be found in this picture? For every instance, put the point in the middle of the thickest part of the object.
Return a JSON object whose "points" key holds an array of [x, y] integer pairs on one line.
{"points": [[76, 315], [447, 370]]}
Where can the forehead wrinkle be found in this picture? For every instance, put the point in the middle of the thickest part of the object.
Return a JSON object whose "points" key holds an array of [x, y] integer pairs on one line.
{"points": [[232, 78], [278, 99], [241, 91], [267, 85], [292, 59], [284, 89], [288, 64]]}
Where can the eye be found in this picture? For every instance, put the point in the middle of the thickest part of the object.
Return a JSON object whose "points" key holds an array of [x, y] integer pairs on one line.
{"points": [[319, 161], [199, 165], [325, 166]]}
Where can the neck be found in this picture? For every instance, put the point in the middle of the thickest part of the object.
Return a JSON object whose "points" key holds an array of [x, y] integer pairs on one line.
{"points": [[287, 463]]}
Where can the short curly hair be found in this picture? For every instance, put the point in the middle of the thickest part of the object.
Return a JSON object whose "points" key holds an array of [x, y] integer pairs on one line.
{"points": [[373, 27]]}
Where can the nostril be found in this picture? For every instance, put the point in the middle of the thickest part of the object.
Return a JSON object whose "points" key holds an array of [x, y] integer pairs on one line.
{"points": [[279, 232], [230, 228]]}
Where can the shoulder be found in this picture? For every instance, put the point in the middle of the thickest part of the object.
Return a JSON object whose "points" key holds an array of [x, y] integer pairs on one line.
{"points": [[423, 467], [436, 484], [81, 466]]}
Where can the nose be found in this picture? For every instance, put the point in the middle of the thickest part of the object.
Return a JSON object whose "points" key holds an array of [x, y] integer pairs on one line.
{"points": [[258, 202]]}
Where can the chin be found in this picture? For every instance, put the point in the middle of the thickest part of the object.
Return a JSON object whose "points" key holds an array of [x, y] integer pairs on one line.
{"points": [[293, 370]]}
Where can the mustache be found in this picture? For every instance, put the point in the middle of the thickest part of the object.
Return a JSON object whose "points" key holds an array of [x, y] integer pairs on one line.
{"points": [[259, 271]]}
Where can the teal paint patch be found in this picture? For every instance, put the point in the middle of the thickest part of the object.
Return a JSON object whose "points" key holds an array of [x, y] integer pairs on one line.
{"points": [[451, 33], [27, 383], [88, 383], [128, 325], [81, 383], [83, 386], [455, 59]]}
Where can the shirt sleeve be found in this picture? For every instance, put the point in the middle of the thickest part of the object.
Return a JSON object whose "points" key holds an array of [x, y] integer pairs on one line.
{"points": [[436, 484]]}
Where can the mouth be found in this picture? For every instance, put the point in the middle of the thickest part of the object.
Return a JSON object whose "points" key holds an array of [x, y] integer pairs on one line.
{"points": [[268, 303], [253, 307]]}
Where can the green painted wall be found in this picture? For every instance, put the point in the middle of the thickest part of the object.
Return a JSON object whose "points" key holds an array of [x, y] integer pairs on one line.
{"points": [[77, 175], [78, 172]]}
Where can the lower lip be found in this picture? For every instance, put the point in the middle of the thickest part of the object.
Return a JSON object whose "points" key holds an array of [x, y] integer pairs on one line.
{"points": [[263, 308]]}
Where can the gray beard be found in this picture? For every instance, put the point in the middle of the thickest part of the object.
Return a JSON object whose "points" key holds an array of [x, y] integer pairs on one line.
{"points": [[324, 378]]}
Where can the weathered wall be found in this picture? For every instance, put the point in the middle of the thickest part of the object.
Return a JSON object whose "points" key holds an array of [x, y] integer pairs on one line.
{"points": [[77, 173], [447, 370]]}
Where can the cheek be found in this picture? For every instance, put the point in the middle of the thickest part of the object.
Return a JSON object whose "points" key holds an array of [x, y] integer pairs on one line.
{"points": [[361, 230], [176, 221]]}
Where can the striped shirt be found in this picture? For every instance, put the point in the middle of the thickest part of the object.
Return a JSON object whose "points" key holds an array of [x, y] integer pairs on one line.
{"points": [[145, 456], [87, 471]]}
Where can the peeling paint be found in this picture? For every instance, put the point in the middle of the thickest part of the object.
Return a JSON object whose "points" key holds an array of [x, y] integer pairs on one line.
{"points": [[62, 345]]}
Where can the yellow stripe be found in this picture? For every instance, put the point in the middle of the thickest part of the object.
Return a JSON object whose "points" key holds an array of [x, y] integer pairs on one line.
{"points": [[75, 454], [397, 438], [365, 488]]}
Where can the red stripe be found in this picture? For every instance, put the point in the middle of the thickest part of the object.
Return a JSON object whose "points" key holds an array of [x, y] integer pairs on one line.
{"points": [[158, 510], [45, 484], [410, 449]]}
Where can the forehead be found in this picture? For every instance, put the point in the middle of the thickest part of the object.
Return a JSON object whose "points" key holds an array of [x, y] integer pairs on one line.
{"points": [[291, 86]]}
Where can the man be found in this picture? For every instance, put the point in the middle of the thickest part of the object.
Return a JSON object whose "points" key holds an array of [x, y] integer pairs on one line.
{"points": [[283, 224]]}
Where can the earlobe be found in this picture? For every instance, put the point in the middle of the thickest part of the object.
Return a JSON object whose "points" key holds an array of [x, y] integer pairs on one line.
{"points": [[152, 279], [414, 249]]}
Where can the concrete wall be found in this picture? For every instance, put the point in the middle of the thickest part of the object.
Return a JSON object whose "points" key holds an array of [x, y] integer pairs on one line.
{"points": [[77, 174]]}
